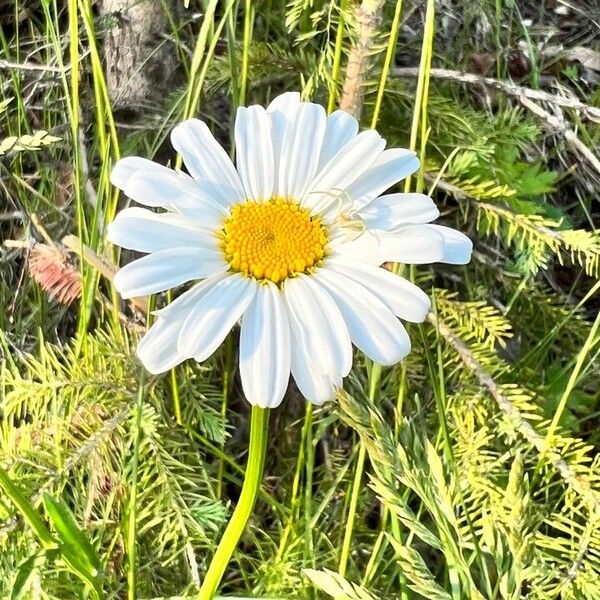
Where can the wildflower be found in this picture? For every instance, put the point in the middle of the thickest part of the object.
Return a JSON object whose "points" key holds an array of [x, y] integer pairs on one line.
{"points": [[291, 242]]}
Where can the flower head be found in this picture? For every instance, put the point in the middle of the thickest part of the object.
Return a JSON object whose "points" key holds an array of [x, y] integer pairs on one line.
{"points": [[290, 240]]}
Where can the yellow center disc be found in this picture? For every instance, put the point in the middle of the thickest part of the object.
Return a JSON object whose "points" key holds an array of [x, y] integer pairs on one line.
{"points": [[272, 240]]}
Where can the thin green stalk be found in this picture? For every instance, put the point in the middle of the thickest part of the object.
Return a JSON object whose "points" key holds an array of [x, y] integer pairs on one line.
{"points": [[248, 23], [349, 529], [389, 55], [374, 378], [337, 58], [257, 449], [174, 385], [295, 492], [74, 110], [232, 55], [420, 108], [227, 376], [108, 196], [199, 54], [562, 404], [381, 540], [308, 482], [131, 542]]}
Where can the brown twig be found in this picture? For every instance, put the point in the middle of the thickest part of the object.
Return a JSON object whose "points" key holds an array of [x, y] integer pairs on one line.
{"points": [[29, 66], [73, 243], [508, 87], [559, 125]]}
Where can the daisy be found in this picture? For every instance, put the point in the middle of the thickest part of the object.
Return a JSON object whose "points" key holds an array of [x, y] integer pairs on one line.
{"points": [[289, 241]]}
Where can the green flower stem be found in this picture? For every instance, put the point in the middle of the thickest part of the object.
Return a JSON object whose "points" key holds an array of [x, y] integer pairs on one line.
{"points": [[259, 422]]}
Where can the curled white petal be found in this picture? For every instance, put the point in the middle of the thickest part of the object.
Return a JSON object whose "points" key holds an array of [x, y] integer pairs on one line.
{"points": [[158, 348], [354, 158], [282, 112], [411, 245], [152, 184], [314, 386]]}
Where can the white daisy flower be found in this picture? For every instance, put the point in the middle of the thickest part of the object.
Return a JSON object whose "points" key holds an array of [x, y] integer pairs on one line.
{"points": [[289, 241]]}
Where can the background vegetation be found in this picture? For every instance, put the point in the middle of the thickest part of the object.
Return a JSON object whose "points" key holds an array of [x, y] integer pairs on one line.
{"points": [[481, 477]]}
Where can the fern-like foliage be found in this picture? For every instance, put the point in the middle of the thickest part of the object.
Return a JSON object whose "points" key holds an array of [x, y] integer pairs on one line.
{"points": [[70, 418]]}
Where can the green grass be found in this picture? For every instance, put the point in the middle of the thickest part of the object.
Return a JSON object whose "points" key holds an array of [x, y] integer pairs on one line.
{"points": [[468, 471]]}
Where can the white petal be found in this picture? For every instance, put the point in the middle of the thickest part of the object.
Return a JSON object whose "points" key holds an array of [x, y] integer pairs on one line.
{"points": [[300, 151], [265, 348], [206, 160], [394, 210], [158, 350], [214, 314], [166, 269], [146, 231], [411, 244], [349, 163], [402, 297], [284, 102], [254, 152], [184, 302], [151, 184], [363, 248], [318, 326], [373, 327], [313, 386], [457, 246], [126, 167], [282, 111], [341, 128], [391, 167]]}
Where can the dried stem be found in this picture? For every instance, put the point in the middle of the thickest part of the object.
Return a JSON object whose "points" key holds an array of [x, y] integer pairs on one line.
{"points": [[559, 125], [73, 243], [507, 87], [368, 18]]}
